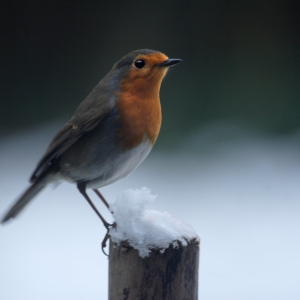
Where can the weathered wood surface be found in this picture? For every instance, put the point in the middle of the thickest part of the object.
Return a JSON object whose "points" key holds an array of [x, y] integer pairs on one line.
{"points": [[171, 275]]}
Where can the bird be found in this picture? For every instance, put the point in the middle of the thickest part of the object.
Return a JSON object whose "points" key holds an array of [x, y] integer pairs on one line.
{"points": [[110, 134]]}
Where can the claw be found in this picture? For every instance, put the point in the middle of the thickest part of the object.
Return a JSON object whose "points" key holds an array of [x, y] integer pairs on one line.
{"points": [[107, 236]]}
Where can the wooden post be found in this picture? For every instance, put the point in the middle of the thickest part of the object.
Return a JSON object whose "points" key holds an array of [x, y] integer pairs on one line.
{"points": [[171, 275]]}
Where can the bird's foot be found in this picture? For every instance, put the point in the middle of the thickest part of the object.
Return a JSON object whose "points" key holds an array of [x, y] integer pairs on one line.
{"points": [[107, 236]]}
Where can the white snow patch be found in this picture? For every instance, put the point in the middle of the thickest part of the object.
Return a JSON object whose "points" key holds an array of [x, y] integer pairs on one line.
{"points": [[145, 229]]}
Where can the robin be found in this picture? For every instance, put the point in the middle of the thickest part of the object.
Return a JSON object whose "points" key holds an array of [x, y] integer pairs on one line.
{"points": [[111, 132]]}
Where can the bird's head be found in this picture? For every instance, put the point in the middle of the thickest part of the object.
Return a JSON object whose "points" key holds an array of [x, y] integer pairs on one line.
{"points": [[143, 70]]}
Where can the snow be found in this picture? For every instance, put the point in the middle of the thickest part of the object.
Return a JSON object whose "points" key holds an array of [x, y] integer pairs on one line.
{"points": [[145, 229]]}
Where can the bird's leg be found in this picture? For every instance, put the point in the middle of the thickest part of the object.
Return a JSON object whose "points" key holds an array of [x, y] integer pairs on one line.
{"points": [[103, 244], [82, 189], [102, 198]]}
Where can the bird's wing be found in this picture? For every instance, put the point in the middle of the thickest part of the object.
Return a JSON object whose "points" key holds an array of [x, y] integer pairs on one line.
{"points": [[86, 118]]}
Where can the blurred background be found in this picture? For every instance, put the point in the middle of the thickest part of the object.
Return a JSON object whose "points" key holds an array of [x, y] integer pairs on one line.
{"points": [[229, 143], [241, 59]]}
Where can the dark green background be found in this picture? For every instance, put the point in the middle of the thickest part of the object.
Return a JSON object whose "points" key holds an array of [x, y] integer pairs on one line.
{"points": [[241, 59]]}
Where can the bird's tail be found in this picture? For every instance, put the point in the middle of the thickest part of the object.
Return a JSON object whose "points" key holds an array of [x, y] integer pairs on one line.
{"points": [[29, 194]]}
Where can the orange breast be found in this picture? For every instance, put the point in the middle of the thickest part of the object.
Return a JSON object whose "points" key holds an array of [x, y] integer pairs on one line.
{"points": [[140, 109]]}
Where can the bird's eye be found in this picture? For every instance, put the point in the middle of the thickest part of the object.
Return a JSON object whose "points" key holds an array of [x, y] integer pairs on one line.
{"points": [[139, 63]]}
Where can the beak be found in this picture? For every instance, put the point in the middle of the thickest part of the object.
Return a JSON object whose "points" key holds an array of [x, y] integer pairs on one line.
{"points": [[170, 62]]}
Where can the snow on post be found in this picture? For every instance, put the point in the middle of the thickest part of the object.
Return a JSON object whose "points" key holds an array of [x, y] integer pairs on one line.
{"points": [[153, 255]]}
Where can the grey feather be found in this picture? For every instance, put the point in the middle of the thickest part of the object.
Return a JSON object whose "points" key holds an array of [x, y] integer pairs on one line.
{"points": [[28, 195]]}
